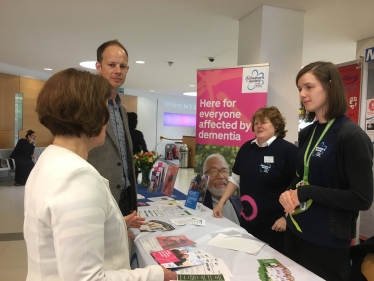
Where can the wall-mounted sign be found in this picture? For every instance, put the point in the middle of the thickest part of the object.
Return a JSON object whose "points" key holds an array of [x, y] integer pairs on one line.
{"points": [[369, 54], [351, 75]]}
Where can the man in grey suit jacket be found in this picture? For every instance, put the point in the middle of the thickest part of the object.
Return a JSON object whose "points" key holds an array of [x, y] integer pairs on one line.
{"points": [[113, 160]]}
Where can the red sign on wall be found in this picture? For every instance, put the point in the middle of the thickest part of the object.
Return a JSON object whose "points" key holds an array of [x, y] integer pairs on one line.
{"points": [[351, 75]]}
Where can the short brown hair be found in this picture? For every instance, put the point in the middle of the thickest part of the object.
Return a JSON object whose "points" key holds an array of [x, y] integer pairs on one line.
{"points": [[328, 75], [74, 102], [275, 117], [102, 47]]}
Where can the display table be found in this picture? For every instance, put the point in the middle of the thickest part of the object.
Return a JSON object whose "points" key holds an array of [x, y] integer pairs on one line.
{"points": [[177, 195], [243, 266]]}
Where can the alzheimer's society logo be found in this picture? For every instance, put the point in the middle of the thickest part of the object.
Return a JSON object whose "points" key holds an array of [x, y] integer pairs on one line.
{"points": [[255, 79]]}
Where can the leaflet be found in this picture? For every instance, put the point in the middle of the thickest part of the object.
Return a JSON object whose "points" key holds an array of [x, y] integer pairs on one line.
{"points": [[272, 269], [177, 257], [191, 220], [145, 213], [244, 243], [173, 209], [162, 198], [156, 225], [158, 243]]}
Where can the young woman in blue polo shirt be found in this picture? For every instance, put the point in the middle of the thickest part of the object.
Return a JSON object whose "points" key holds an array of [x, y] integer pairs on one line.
{"points": [[334, 178]]}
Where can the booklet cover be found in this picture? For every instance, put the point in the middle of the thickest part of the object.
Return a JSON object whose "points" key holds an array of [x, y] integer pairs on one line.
{"points": [[158, 243], [156, 225], [161, 167], [200, 277], [197, 192], [177, 257], [142, 204], [169, 181], [272, 269], [169, 242], [154, 182]]}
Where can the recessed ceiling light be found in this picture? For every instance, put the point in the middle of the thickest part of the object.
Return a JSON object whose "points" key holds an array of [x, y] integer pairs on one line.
{"points": [[139, 61], [152, 91], [192, 94], [192, 85], [46, 68], [88, 64]]}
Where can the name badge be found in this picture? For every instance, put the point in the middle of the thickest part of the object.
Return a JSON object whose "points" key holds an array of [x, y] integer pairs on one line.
{"points": [[268, 159]]}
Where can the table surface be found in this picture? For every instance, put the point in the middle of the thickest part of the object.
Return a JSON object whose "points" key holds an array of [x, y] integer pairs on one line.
{"points": [[177, 195], [243, 266]]}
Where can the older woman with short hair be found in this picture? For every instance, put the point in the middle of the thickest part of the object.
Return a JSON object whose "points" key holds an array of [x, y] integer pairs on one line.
{"points": [[264, 167], [73, 227]]}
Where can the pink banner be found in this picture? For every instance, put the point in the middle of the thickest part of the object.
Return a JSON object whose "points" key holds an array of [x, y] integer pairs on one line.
{"points": [[226, 100]]}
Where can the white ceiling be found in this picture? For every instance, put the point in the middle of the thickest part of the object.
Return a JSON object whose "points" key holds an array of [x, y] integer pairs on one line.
{"points": [[61, 33]]}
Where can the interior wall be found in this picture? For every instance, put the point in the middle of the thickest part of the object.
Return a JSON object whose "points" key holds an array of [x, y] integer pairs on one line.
{"points": [[30, 89], [151, 109], [130, 103], [9, 86]]}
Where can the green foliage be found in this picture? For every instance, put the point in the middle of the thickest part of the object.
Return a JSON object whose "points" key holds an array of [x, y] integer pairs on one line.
{"points": [[203, 151]]}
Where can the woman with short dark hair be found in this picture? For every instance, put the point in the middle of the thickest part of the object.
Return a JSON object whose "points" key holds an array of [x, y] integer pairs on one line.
{"points": [[73, 227], [23, 155], [334, 178]]}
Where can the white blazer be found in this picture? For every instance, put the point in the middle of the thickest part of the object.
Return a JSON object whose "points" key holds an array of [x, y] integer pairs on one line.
{"points": [[73, 228]]}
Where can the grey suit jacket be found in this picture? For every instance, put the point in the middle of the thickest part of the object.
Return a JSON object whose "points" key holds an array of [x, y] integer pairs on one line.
{"points": [[107, 160]]}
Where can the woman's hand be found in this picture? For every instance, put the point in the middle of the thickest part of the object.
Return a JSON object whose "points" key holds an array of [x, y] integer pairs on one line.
{"points": [[289, 200], [279, 225], [294, 197], [33, 156], [217, 210], [134, 221], [168, 274], [286, 201]]}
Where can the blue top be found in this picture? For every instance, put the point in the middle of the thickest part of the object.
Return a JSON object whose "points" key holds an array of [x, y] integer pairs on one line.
{"points": [[314, 222], [265, 173]]}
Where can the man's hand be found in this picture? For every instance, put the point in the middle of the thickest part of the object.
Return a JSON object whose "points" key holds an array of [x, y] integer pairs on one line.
{"points": [[133, 221], [279, 225], [168, 274]]}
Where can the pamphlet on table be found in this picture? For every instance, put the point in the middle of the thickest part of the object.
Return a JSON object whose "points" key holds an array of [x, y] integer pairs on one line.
{"points": [[212, 268], [145, 213], [173, 209], [177, 257], [163, 198], [239, 242], [159, 243], [169, 181], [271, 269], [197, 191], [190, 220], [156, 225]]}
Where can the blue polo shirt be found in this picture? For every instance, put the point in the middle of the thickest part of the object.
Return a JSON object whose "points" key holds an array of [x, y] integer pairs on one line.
{"points": [[314, 222], [265, 173]]}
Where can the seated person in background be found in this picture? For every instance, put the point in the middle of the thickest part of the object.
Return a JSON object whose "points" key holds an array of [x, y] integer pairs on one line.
{"points": [[73, 227], [23, 155], [216, 167]]}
